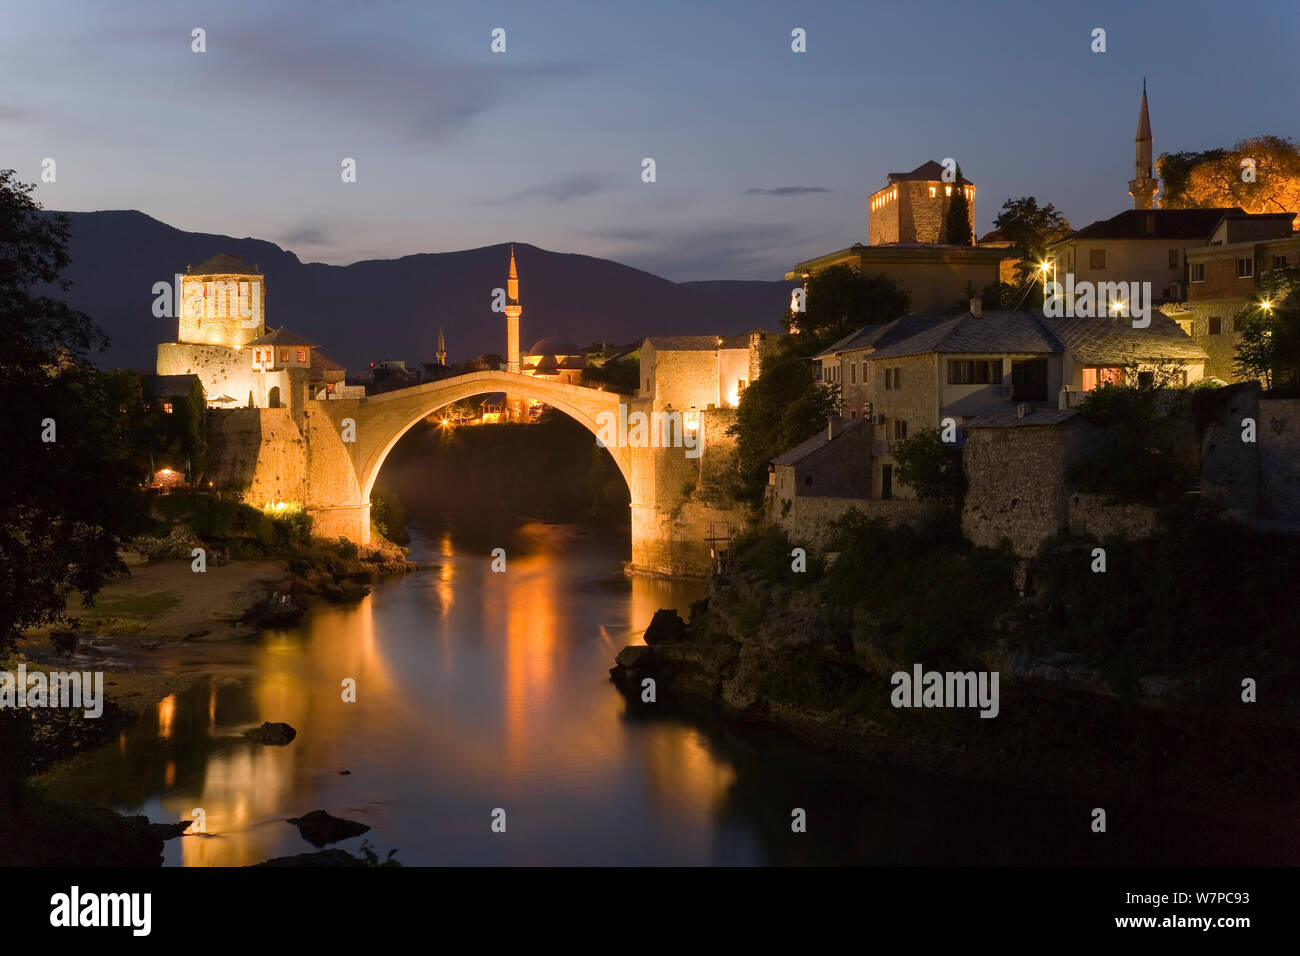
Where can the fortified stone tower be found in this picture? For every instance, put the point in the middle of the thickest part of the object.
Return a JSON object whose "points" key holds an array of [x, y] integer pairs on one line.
{"points": [[223, 302], [912, 206], [1142, 187]]}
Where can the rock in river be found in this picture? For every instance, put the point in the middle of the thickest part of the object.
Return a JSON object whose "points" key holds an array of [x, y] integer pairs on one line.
{"points": [[666, 627], [276, 734], [319, 828]]}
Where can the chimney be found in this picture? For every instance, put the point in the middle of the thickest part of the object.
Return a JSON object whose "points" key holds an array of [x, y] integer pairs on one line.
{"points": [[977, 307]]}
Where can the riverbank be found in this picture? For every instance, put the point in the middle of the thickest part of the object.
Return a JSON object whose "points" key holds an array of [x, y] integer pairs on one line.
{"points": [[133, 623], [1179, 711]]}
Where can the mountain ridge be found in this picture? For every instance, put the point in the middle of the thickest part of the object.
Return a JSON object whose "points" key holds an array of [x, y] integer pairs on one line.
{"points": [[377, 309]]}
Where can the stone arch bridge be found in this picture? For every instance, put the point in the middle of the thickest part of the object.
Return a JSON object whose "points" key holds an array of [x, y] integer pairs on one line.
{"points": [[342, 463]]}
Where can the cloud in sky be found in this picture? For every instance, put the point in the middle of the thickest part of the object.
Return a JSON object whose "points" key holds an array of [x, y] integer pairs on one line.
{"points": [[309, 235], [557, 191], [787, 191]]}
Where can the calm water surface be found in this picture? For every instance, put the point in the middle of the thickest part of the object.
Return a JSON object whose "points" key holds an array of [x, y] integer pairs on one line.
{"points": [[478, 690]]}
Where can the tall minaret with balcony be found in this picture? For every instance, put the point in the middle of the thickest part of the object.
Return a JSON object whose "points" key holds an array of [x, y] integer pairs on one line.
{"points": [[442, 349], [513, 311], [1143, 185]]}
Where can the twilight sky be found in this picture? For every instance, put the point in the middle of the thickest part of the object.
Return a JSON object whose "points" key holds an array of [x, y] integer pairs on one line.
{"points": [[764, 156]]}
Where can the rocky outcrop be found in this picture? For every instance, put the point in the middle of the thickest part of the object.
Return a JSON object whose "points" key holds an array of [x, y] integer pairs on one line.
{"points": [[320, 828], [272, 733]]}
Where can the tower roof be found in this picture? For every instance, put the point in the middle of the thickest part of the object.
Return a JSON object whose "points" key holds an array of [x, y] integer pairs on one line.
{"points": [[224, 264], [930, 172], [1144, 119], [514, 273], [282, 336]]}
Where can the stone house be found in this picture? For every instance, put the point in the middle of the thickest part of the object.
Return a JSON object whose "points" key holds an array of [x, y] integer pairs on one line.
{"points": [[1222, 278], [701, 371], [834, 463], [923, 371]]}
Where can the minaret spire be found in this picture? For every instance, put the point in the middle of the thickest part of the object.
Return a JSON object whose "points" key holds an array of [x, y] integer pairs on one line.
{"points": [[442, 348], [513, 311], [1142, 187]]}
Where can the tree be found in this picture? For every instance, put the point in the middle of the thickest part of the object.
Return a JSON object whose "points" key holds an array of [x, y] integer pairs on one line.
{"points": [[65, 503], [781, 408], [1031, 228], [1216, 178], [622, 376], [931, 467], [1270, 342], [956, 223], [840, 300]]}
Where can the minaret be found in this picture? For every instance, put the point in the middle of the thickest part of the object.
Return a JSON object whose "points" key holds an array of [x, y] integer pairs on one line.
{"points": [[513, 311], [442, 349], [1143, 186]]}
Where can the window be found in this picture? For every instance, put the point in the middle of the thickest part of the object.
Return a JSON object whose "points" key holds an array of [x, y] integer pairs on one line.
{"points": [[1095, 378], [302, 355], [886, 481], [1198, 271], [900, 429], [1146, 379], [853, 373], [1096, 258], [284, 355], [889, 379], [947, 190], [167, 407], [1216, 325], [978, 372], [1173, 258], [931, 192], [1245, 267], [740, 387], [864, 371], [1279, 262], [898, 377]]}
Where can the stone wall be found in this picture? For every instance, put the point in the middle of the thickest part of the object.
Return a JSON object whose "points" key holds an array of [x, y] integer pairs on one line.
{"points": [[258, 452], [221, 370], [1016, 481], [1230, 467], [1194, 319], [1091, 515], [808, 520], [676, 543], [1278, 432]]}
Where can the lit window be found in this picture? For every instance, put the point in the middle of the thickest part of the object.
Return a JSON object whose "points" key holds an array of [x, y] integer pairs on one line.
{"points": [[947, 190], [302, 355], [931, 192], [167, 407], [284, 355]]}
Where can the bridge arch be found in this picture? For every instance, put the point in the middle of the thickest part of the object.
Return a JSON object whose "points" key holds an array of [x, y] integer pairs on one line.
{"points": [[381, 420]]}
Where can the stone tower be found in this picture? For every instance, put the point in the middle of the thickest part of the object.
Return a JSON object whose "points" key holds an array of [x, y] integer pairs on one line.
{"points": [[442, 349], [513, 311], [1142, 187], [912, 206]]}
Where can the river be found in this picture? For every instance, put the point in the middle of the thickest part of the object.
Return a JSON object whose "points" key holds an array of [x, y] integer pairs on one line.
{"points": [[479, 691]]}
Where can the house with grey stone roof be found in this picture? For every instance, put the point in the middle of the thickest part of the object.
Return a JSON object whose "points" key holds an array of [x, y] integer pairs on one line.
{"points": [[931, 371]]}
